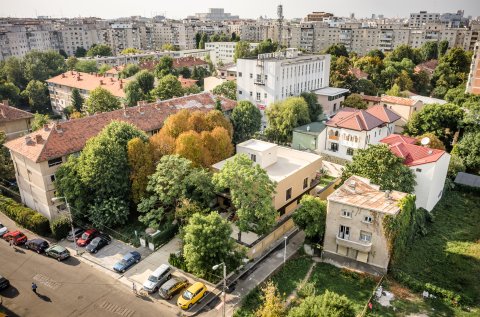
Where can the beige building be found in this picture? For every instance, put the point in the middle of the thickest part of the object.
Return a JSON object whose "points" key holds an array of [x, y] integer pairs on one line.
{"points": [[38, 155], [354, 233], [60, 87], [13, 121]]}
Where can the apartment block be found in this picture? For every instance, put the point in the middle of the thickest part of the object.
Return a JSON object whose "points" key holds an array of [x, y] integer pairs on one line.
{"points": [[38, 155], [418, 19], [275, 76], [354, 233], [14, 122], [223, 52]]}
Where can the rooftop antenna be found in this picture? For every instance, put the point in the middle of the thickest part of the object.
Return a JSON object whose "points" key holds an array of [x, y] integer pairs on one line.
{"points": [[425, 141]]}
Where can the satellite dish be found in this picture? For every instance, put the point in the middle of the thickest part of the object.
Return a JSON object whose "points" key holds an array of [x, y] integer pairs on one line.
{"points": [[425, 141]]}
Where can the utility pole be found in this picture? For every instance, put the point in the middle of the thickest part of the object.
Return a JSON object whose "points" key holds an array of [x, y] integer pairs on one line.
{"points": [[224, 286], [285, 251]]}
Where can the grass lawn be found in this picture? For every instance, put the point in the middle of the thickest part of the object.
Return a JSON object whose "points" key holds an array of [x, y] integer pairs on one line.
{"points": [[449, 255], [325, 180]]}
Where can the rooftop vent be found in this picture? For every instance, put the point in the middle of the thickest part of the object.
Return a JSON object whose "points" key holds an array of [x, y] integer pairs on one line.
{"points": [[352, 184], [28, 140], [45, 127], [58, 128], [308, 128], [387, 193]]}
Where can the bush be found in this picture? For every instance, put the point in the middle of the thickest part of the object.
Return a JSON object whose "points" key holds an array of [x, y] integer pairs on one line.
{"points": [[60, 227], [24, 216], [177, 261], [166, 234]]}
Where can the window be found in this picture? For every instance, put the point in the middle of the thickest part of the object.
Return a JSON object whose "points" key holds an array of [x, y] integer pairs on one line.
{"points": [[346, 213], [367, 219], [259, 78], [54, 162], [305, 183], [350, 151], [334, 147], [344, 232], [266, 77], [251, 75], [265, 95], [253, 157], [418, 170], [251, 93], [52, 177], [365, 236], [258, 96], [239, 92], [288, 194]]}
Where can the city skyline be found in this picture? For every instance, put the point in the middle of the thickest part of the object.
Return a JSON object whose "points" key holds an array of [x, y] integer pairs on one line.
{"points": [[245, 9]]}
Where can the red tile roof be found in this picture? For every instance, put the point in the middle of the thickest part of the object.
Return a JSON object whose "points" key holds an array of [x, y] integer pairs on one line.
{"points": [[428, 66], [89, 82], [60, 139], [187, 82], [398, 100], [374, 99], [412, 154], [362, 120], [188, 61], [9, 113]]}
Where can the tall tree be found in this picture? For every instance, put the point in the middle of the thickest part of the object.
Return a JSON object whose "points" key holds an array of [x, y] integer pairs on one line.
{"points": [[167, 88], [140, 160], [246, 119], [382, 167], [207, 242], [39, 120], [99, 50], [7, 170], [77, 100], [251, 192], [10, 92], [146, 80], [272, 305], [429, 50], [164, 67], [37, 95], [13, 71], [242, 50], [227, 89], [101, 100], [284, 116], [42, 65], [71, 62], [133, 93], [365, 86], [218, 145], [189, 145], [314, 108], [355, 101], [80, 52], [86, 66], [129, 70], [311, 217], [337, 50], [442, 48]]}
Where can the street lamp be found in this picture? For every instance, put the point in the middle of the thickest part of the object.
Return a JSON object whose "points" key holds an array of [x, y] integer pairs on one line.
{"points": [[59, 199], [215, 267], [285, 251]]}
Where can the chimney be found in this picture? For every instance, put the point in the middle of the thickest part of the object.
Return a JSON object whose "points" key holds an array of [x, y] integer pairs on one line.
{"points": [[38, 138], [63, 75], [5, 102], [28, 140], [352, 184], [101, 82], [387, 194], [78, 78], [125, 114], [121, 85], [45, 127], [111, 79], [58, 128]]}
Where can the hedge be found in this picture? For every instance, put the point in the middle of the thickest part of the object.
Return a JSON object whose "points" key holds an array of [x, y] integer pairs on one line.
{"points": [[165, 235], [24, 216], [60, 227]]}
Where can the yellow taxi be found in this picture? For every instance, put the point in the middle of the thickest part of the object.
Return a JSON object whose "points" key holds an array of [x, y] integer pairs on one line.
{"points": [[192, 295]]}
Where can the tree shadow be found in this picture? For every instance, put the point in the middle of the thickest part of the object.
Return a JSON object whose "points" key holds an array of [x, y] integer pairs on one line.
{"points": [[45, 298], [145, 298], [10, 292]]}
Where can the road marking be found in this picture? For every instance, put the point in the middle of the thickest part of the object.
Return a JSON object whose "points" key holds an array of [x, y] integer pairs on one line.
{"points": [[45, 280], [119, 310]]}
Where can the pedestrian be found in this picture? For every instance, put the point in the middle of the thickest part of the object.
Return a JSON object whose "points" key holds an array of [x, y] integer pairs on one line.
{"points": [[10, 242], [134, 288], [34, 287]]}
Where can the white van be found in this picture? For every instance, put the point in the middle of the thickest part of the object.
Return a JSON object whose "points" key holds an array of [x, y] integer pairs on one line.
{"points": [[157, 278]]}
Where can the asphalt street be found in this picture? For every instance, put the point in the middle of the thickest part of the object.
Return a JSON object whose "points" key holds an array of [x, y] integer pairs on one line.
{"points": [[68, 288]]}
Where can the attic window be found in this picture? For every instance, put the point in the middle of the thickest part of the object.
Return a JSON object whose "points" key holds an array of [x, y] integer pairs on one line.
{"points": [[55, 161]]}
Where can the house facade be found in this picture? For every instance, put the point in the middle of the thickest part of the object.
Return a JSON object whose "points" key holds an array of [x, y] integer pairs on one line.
{"points": [[13, 121], [430, 167], [38, 155], [354, 233], [331, 99]]}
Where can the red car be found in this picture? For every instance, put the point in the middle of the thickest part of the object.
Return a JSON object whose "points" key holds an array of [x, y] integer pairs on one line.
{"points": [[16, 237], [87, 236]]}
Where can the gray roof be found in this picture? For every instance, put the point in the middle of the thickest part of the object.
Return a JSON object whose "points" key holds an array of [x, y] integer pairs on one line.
{"points": [[313, 128], [467, 179], [330, 91]]}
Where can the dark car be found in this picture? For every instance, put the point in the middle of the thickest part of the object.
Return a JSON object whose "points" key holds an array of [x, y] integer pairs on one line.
{"points": [[57, 252], [37, 245], [98, 243], [77, 233], [172, 287], [4, 283], [16, 237], [87, 236], [128, 260]]}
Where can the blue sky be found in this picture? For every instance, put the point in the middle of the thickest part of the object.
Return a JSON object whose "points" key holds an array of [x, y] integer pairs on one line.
{"points": [[244, 8]]}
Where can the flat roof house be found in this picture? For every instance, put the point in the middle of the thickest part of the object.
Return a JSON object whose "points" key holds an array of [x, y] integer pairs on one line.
{"points": [[354, 233]]}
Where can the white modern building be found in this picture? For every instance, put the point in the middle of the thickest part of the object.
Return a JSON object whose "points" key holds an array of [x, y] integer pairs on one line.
{"points": [[223, 52], [430, 167], [216, 14], [275, 76]]}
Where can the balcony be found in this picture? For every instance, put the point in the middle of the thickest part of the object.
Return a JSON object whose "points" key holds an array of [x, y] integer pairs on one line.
{"points": [[361, 246], [333, 137]]}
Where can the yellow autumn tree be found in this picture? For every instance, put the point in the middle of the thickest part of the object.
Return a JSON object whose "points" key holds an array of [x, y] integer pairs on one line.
{"points": [[140, 160]]}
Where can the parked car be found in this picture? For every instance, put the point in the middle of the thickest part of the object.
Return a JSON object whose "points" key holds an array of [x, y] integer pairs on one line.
{"points": [[3, 230], [4, 283], [98, 243], [128, 260], [87, 236], [192, 295], [172, 287], [16, 237], [77, 233], [57, 252], [157, 278], [37, 245]]}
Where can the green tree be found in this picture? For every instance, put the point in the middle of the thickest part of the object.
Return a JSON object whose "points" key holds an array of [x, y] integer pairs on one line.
{"points": [[185, 72], [471, 120], [429, 50], [376, 53], [382, 167], [246, 119], [167, 88], [186, 209], [192, 90], [164, 67], [13, 71], [99, 50], [6, 164], [133, 93], [43, 65], [130, 50], [355, 101], [140, 160], [265, 46], [10, 92], [169, 47], [71, 63], [340, 75], [77, 100], [285, 116], [104, 68], [198, 37], [86, 66], [207, 242], [80, 52], [272, 305], [101, 100], [251, 192], [227, 89], [329, 304], [404, 52], [146, 80], [395, 91], [337, 50], [421, 82], [242, 50], [455, 166], [442, 48], [129, 70], [403, 81], [39, 120], [364, 86], [468, 150], [311, 217], [37, 95], [203, 40], [110, 211], [441, 120], [314, 108]]}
